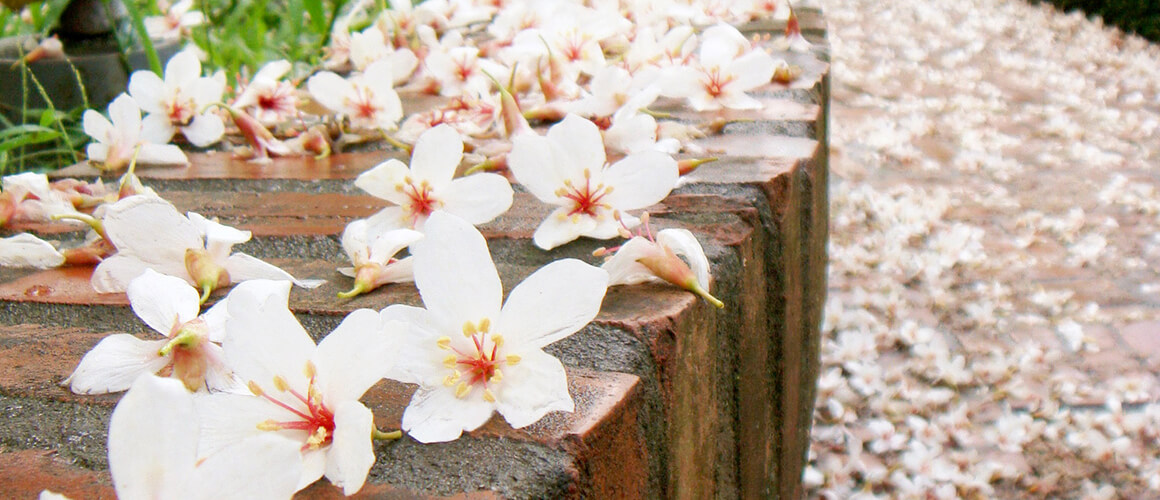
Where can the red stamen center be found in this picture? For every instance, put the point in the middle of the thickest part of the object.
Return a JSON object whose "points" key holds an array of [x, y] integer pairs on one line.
{"points": [[313, 415], [585, 198]]}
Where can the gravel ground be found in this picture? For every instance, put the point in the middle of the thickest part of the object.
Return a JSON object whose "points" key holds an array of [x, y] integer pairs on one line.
{"points": [[992, 329]]}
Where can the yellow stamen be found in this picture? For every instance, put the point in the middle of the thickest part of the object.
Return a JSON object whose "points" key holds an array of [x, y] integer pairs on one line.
{"points": [[255, 388], [316, 440], [280, 383], [497, 339], [462, 389], [469, 329], [513, 359], [269, 425], [488, 396], [444, 342], [496, 376], [484, 325], [310, 370]]}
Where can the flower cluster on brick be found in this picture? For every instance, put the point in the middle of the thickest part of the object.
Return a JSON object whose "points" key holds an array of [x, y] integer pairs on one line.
{"points": [[554, 96]]}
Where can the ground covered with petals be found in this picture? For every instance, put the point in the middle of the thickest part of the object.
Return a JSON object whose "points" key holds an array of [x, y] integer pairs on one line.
{"points": [[990, 330]]}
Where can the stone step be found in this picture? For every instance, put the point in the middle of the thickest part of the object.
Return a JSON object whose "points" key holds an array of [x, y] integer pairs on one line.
{"points": [[572, 455]]}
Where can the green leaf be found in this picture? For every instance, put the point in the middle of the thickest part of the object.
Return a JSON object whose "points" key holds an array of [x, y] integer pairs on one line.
{"points": [[317, 16], [28, 139]]}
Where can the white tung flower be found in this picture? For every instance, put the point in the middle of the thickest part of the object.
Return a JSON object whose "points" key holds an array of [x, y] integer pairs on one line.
{"points": [[149, 233], [116, 142], [189, 351], [472, 357], [567, 168], [308, 393], [178, 103], [429, 184], [726, 69], [371, 245], [368, 98], [153, 452]]}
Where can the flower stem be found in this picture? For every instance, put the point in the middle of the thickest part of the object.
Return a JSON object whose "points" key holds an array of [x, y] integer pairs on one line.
{"points": [[385, 436]]}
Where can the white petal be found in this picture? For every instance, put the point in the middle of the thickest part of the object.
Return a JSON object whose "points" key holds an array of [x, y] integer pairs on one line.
{"points": [[265, 467], [419, 359], [436, 415], [244, 267], [623, 268], [330, 90], [215, 318], [681, 81], [354, 241], [160, 154], [532, 162], [751, 70], [358, 353], [558, 229], [273, 70], [738, 100], [150, 227], [26, 250], [313, 467], [231, 418], [157, 129], [454, 272], [114, 273], [97, 152], [478, 198], [351, 453], [207, 90], [553, 303], [641, 179], [382, 181], [152, 439], [125, 116], [721, 42], [149, 92], [263, 338], [532, 388], [387, 244], [205, 129], [114, 363], [183, 69], [580, 140], [219, 238], [436, 155], [97, 126], [684, 244], [162, 301]]}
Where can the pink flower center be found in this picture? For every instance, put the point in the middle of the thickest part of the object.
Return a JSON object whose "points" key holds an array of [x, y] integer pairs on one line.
{"points": [[279, 99], [181, 111], [464, 68], [421, 201], [586, 198], [363, 103], [715, 83], [312, 414], [479, 364]]}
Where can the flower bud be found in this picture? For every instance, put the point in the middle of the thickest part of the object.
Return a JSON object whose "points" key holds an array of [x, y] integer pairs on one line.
{"points": [[206, 273]]}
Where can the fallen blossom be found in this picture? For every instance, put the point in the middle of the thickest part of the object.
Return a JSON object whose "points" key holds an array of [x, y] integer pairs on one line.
{"points": [[153, 452], [149, 233], [567, 168], [470, 356], [301, 391]]}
